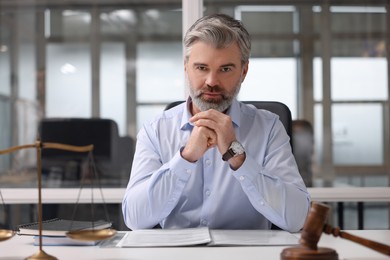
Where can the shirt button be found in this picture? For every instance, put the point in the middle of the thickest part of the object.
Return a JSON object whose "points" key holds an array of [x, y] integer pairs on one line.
{"points": [[208, 193], [189, 171], [204, 222], [208, 162], [262, 203], [242, 178]]}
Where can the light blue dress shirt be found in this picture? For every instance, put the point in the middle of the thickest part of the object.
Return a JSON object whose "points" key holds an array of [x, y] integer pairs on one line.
{"points": [[166, 189]]}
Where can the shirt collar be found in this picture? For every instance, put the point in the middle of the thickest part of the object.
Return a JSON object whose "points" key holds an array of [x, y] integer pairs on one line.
{"points": [[233, 111]]}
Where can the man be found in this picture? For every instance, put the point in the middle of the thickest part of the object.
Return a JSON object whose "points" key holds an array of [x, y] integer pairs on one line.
{"points": [[213, 161]]}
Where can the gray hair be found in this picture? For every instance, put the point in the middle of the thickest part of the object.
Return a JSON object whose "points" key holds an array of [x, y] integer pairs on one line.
{"points": [[219, 30]]}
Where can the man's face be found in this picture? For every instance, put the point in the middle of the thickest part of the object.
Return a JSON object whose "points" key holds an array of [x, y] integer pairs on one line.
{"points": [[214, 76]]}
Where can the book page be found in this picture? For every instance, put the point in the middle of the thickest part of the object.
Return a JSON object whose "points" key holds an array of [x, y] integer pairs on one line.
{"points": [[165, 237], [252, 238]]}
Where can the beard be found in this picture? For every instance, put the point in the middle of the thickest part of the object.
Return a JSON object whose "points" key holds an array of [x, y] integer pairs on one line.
{"points": [[205, 104]]}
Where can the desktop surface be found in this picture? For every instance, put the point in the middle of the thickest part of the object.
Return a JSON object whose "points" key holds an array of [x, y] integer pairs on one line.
{"points": [[20, 247]]}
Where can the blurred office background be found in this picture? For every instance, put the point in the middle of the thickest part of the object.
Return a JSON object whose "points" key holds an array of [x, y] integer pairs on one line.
{"points": [[328, 60]]}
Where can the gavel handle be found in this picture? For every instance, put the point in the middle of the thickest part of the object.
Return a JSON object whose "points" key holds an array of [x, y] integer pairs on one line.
{"points": [[382, 248]]}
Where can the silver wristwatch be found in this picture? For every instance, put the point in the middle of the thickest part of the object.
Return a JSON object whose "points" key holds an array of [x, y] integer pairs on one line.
{"points": [[235, 149]]}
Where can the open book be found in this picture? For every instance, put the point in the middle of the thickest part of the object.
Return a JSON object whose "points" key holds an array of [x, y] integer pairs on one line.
{"points": [[206, 236], [59, 227]]}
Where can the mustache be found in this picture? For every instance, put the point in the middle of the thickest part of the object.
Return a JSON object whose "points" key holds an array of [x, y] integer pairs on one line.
{"points": [[212, 89], [215, 88]]}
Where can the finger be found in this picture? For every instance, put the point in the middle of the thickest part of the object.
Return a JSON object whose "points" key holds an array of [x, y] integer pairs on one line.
{"points": [[206, 123], [212, 139], [209, 114]]}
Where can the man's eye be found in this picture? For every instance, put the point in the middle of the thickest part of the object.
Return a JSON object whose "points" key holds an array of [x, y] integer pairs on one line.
{"points": [[201, 68], [226, 69]]}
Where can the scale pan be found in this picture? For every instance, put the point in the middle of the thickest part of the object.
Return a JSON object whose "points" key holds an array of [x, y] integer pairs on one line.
{"points": [[6, 234], [91, 235]]}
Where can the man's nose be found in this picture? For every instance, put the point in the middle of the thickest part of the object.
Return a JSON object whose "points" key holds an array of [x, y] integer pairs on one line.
{"points": [[212, 79]]}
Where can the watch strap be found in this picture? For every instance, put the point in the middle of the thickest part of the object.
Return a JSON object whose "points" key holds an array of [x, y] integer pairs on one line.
{"points": [[235, 149], [229, 154]]}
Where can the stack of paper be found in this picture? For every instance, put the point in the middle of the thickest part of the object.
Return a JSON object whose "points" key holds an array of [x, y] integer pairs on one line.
{"points": [[205, 236], [54, 231]]}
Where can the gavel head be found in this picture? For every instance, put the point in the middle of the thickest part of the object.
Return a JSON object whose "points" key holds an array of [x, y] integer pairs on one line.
{"points": [[310, 235], [314, 224]]}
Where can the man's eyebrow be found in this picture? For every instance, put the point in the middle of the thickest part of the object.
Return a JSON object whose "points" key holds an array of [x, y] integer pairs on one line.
{"points": [[199, 64], [228, 65], [222, 66]]}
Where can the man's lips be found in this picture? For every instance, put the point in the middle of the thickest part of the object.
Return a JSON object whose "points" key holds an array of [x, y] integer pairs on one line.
{"points": [[212, 94]]}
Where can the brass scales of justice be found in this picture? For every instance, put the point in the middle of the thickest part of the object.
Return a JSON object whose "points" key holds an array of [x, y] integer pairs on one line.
{"points": [[85, 235]]}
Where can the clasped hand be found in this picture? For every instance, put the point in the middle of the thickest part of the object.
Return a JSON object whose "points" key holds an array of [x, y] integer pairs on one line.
{"points": [[211, 128]]}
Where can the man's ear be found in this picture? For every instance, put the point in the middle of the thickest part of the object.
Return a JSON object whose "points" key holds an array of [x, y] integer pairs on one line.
{"points": [[185, 65], [244, 71]]}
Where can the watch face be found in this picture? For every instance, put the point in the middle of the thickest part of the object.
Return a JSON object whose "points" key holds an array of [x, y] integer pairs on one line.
{"points": [[237, 148]]}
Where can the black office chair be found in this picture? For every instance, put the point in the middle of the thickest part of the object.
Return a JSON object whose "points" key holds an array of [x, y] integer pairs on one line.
{"points": [[276, 107], [110, 150]]}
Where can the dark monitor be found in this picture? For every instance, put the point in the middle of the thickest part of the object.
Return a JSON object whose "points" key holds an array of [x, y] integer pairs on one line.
{"points": [[79, 132]]}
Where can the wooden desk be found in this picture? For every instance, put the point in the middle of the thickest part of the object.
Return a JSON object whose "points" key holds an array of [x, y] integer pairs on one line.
{"points": [[21, 247], [115, 195]]}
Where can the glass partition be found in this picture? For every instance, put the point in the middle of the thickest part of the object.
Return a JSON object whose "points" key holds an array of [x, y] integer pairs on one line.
{"points": [[113, 83], [68, 80], [357, 134]]}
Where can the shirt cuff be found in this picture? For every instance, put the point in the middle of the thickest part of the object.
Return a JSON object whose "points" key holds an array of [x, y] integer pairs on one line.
{"points": [[182, 168]]}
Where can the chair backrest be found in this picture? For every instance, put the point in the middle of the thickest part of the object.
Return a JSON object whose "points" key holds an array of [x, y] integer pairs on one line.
{"points": [[276, 107]]}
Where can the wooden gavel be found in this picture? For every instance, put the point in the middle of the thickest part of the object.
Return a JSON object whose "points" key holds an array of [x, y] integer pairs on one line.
{"points": [[313, 228]]}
